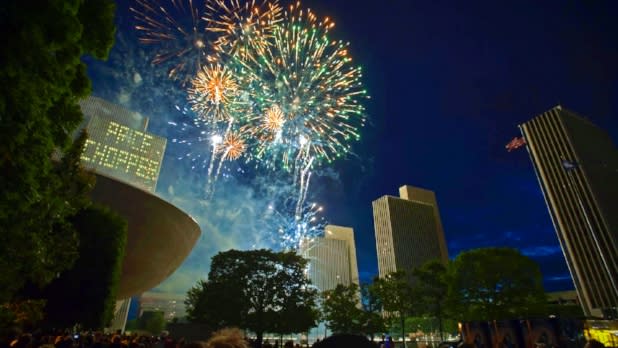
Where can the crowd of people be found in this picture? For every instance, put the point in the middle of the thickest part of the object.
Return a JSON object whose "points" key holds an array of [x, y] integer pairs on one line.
{"points": [[226, 338]]}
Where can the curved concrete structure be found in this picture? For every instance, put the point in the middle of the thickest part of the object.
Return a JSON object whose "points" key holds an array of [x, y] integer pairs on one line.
{"points": [[160, 235]]}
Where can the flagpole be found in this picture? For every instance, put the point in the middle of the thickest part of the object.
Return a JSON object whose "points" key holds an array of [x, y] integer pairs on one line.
{"points": [[592, 232]]}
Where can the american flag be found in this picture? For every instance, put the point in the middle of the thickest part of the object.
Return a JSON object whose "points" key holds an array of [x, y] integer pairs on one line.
{"points": [[515, 143]]}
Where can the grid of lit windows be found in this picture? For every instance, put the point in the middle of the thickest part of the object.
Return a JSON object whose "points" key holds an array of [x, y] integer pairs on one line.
{"points": [[124, 153]]}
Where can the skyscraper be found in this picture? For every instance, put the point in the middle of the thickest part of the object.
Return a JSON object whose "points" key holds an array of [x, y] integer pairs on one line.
{"points": [[577, 167], [332, 258], [119, 146], [332, 261], [408, 230]]}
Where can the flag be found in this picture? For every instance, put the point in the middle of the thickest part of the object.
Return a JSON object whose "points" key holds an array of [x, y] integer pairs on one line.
{"points": [[568, 165], [515, 143]]}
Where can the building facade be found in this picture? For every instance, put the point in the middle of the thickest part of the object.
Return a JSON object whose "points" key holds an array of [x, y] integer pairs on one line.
{"points": [[408, 230], [332, 258], [172, 305], [119, 146], [577, 167]]}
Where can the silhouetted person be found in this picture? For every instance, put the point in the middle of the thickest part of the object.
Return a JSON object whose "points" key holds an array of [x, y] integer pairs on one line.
{"points": [[344, 341], [227, 338], [195, 344]]}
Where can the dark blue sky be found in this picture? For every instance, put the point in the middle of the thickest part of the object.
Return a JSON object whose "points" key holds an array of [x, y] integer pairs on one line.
{"points": [[450, 82]]}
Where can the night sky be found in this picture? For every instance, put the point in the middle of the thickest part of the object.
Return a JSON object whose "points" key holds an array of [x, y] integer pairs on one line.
{"points": [[450, 81]]}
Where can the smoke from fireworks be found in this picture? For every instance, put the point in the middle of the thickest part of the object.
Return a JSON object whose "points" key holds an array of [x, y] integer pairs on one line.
{"points": [[277, 92]]}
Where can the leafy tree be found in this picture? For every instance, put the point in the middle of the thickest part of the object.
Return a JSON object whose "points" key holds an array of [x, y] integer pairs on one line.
{"points": [[42, 79], [103, 237], [431, 287], [427, 325], [495, 283], [373, 322], [397, 297], [25, 314], [152, 321], [258, 290], [340, 308], [295, 317]]}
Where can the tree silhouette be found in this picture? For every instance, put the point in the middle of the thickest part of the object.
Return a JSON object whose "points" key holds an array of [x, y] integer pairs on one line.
{"points": [[42, 80]]}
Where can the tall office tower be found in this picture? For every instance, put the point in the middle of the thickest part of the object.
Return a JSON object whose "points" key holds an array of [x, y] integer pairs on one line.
{"points": [[408, 230], [332, 258], [577, 167], [119, 146]]}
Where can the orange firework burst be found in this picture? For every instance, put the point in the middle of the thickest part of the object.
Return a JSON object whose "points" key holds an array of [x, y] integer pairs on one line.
{"points": [[242, 27], [213, 93], [273, 119], [233, 146]]}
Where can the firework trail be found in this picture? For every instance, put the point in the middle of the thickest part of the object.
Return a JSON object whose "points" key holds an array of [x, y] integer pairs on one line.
{"points": [[292, 229], [306, 91], [276, 91], [175, 28], [242, 28]]}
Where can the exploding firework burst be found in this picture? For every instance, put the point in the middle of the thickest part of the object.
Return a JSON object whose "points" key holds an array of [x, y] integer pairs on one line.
{"points": [[214, 93], [272, 123], [242, 27], [233, 146], [291, 228], [177, 30], [311, 81], [281, 94]]}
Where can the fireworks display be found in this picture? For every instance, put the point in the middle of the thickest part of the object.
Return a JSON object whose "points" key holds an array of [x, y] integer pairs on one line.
{"points": [[233, 146], [291, 229], [242, 27], [272, 124], [269, 87], [310, 79], [213, 93], [177, 30]]}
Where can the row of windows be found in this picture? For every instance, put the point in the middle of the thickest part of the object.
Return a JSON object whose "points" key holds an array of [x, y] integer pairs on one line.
{"points": [[568, 193], [329, 263], [406, 233]]}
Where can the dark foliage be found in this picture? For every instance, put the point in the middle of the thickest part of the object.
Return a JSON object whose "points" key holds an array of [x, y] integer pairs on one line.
{"points": [[86, 293], [258, 290], [42, 80]]}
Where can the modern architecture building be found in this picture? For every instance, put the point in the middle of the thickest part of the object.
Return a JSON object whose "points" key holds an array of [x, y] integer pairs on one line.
{"points": [[408, 230], [119, 146], [172, 305], [127, 160], [576, 164], [332, 258], [568, 297], [332, 261]]}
